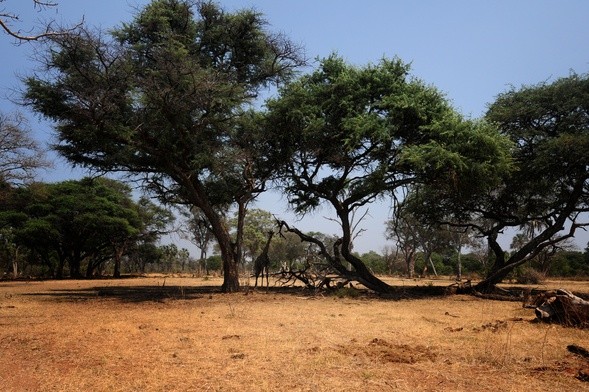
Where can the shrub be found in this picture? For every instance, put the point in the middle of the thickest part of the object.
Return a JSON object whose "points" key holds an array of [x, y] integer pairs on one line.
{"points": [[529, 276]]}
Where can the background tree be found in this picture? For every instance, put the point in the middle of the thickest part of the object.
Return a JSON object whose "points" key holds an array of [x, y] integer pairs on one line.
{"points": [[289, 251], [358, 134], [198, 231], [88, 224], [403, 230], [167, 99], [20, 155], [257, 223]]}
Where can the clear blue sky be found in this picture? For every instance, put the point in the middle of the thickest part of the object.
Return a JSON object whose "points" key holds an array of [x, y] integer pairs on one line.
{"points": [[470, 49]]}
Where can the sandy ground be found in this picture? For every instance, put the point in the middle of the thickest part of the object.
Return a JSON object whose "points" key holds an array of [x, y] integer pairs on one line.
{"points": [[182, 334]]}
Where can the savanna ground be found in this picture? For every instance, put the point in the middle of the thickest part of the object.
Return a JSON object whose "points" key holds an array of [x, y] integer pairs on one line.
{"points": [[182, 334]]}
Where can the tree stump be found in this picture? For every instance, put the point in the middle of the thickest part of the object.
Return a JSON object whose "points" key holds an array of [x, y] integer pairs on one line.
{"points": [[565, 308]]}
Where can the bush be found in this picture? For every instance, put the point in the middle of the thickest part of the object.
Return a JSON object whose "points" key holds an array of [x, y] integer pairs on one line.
{"points": [[529, 276], [347, 292]]}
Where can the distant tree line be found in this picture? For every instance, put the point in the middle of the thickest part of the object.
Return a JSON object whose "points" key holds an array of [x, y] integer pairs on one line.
{"points": [[84, 228]]}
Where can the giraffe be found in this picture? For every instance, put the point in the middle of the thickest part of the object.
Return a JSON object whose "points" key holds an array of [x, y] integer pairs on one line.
{"points": [[262, 262]]}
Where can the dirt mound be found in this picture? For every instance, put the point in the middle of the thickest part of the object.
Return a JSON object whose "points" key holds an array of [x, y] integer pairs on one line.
{"points": [[380, 350]]}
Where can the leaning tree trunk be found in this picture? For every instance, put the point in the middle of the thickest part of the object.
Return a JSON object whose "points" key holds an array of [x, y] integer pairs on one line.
{"points": [[229, 256], [365, 277], [362, 274], [230, 275]]}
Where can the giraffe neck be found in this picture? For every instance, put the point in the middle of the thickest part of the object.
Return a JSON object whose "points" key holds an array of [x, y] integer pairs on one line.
{"points": [[267, 247]]}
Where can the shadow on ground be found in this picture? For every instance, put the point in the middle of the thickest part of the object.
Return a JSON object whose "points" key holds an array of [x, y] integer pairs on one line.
{"points": [[151, 293], [131, 293]]}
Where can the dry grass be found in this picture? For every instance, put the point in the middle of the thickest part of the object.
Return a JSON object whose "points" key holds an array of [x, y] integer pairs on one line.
{"points": [[144, 335]]}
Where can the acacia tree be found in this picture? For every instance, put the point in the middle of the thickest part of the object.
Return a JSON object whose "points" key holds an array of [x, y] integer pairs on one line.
{"points": [[403, 230], [165, 99], [256, 226], [549, 127], [198, 231], [358, 134]]}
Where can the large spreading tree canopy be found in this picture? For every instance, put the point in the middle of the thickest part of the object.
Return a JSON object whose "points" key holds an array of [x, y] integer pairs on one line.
{"points": [[547, 193], [356, 134], [166, 97]]}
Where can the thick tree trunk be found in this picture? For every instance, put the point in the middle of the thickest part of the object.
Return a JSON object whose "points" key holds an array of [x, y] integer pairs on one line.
{"points": [[230, 276], [230, 262], [230, 257], [75, 268], [410, 262], [60, 266], [90, 269], [365, 277], [459, 263], [361, 273], [500, 268]]}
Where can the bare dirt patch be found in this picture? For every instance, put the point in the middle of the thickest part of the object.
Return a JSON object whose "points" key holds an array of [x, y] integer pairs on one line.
{"points": [[182, 334]]}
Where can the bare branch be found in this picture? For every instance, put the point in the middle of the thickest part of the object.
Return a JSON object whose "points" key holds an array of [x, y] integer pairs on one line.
{"points": [[6, 17], [20, 156]]}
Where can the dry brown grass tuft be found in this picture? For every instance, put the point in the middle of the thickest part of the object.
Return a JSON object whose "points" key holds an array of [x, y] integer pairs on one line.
{"points": [[144, 335]]}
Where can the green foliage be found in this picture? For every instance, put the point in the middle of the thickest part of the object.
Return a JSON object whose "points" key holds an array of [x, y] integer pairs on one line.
{"points": [[570, 264], [539, 185], [375, 262], [257, 224], [215, 263], [356, 134], [84, 223]]}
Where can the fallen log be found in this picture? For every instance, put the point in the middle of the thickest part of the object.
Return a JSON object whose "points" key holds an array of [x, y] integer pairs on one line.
{"points": [[565, 308], [580, 351]]}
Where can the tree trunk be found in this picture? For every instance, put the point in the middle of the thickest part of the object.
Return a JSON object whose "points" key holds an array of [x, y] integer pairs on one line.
{"points": [[60, 265], [229, 255], [75, 268], [203, 261], [371, 282], [410, 262], [361, 272], [230, 277], [459, 263], [118, 255], [500, 268], [15, 264], [431, 262], [90, 269]]}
